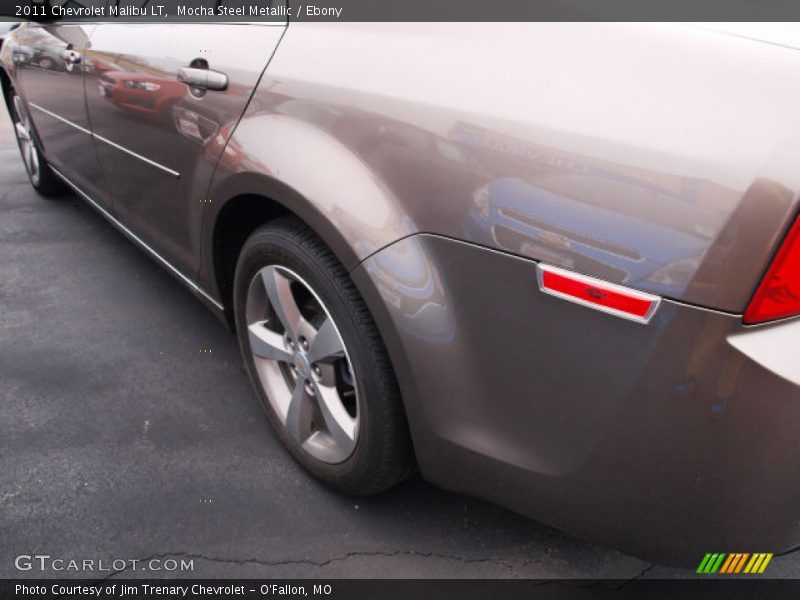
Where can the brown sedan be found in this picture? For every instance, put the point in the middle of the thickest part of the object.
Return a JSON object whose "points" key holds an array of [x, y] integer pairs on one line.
{"points": [[552, 265]]}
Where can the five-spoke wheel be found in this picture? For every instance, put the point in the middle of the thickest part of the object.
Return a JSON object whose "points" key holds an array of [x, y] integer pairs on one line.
{"points": [[318, 362], [39, 172], [303, 364], [27, 144]]}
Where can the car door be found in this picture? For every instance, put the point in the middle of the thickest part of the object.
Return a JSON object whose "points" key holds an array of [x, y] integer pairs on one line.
{"points": [[49, 73], [160, 98]]}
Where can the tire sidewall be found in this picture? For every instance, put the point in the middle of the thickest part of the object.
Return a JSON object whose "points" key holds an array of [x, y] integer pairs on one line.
{"points": [[276, 247], [48, 184], [34, 144]]}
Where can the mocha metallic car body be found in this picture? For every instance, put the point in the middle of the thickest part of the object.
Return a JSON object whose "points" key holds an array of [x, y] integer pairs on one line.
{"points": [[441, 163]]}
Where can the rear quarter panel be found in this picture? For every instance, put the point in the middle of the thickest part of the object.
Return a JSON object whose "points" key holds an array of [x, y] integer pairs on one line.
{"points": [[658, 156]]}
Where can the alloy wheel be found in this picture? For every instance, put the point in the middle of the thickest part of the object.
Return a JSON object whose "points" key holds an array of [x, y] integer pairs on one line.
{"points": [[302, 363], [27, 144]]}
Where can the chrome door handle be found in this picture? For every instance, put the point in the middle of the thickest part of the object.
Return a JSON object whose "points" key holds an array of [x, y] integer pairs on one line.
{"points": [[71, 56], [203, 78]]}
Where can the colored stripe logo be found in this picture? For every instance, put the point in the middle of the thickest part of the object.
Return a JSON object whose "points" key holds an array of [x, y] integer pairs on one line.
{"points": [[735, 562]]}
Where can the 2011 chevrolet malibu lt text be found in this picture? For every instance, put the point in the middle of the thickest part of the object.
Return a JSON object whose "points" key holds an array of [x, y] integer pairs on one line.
{"points": [[556, 266]]}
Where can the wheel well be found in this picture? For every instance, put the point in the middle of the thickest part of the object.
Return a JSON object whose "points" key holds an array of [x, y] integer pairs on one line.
{"points": [[5, 84], [239, 218]]}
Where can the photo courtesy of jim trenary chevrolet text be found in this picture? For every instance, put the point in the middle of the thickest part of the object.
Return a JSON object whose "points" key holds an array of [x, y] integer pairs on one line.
{"points": [[146, 590], [422, 298]]}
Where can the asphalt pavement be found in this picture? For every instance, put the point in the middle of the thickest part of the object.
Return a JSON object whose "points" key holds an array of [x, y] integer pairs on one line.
{"points": [[120, 439]]}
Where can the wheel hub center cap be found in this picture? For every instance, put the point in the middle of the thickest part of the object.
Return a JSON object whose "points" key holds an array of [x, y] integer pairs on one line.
{"points": [[302, 364]]}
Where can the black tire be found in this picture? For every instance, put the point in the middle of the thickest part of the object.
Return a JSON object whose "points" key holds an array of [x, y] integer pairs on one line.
{"points": [[383, 454], [42, 178]]}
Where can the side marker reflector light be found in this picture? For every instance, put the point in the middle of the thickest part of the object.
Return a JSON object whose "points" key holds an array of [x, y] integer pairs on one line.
{"points": [[598, 294]]}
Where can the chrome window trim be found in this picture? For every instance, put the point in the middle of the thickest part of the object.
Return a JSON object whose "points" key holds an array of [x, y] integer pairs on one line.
{"points": [[106, 140], [655, 301], [135, 238]]}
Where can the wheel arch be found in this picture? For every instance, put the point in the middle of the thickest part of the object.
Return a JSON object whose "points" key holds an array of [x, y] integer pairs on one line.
{"points": [[241, 205], [276, 164], [7, 84]]}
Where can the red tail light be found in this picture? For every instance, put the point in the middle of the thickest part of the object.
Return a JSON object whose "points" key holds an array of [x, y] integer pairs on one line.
{"points": [[596, 293], [778, 295]]}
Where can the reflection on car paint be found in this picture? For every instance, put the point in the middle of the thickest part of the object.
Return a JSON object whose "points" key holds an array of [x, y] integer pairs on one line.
{"points": [[411, 283]]}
